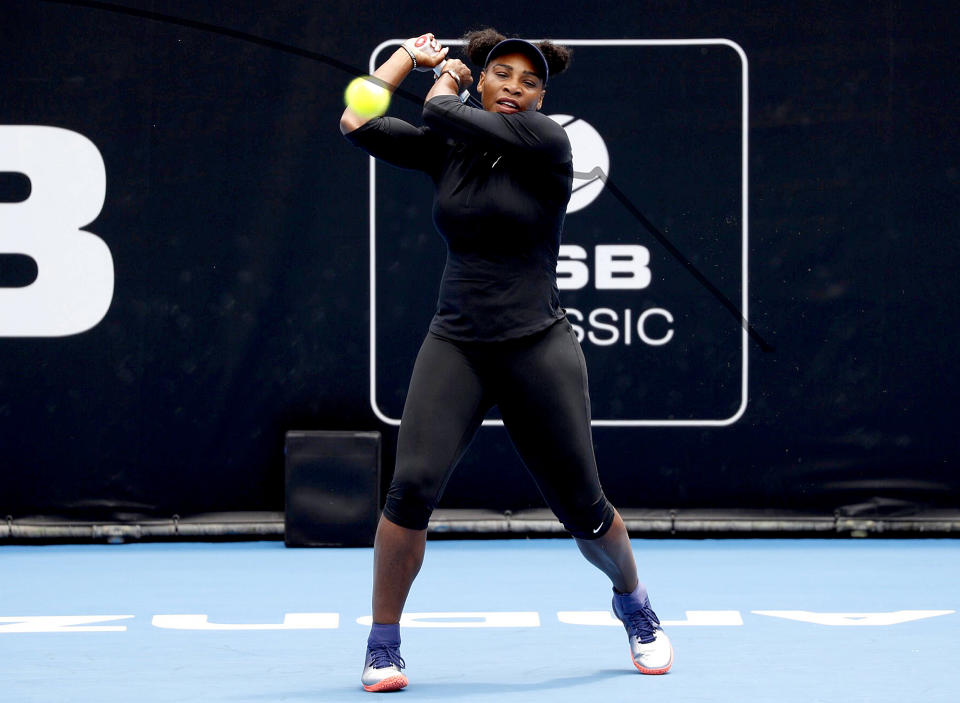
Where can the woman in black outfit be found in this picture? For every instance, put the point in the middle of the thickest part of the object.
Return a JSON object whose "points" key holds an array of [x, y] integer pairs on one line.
{"points": [[503, 177]]}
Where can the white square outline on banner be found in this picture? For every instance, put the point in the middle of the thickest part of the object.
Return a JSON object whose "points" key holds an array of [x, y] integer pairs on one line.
{"points": [[744, 338]]}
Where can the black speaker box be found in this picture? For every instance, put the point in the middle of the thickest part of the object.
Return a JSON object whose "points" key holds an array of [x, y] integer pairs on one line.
{"points": [[332, 488]]}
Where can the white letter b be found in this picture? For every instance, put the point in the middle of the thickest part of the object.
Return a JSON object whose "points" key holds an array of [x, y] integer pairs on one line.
{"points": [[74, 284], [622, 267]]}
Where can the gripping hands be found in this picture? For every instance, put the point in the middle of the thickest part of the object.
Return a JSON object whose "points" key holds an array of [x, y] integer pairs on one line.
{"points": [[431, 55]]}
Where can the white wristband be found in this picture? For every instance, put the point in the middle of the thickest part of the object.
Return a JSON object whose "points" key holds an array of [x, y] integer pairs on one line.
{"points": [[455, 77]]}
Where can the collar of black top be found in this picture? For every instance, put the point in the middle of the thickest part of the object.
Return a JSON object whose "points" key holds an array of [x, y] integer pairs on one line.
{"points": [[521, 46]]}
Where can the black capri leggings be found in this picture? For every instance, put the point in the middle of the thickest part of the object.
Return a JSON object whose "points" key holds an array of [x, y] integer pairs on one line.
{"points": [[539, 383]]}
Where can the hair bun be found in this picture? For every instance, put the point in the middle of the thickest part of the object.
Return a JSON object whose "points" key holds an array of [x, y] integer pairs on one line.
{"points": [[558, 57], [479, 42]]}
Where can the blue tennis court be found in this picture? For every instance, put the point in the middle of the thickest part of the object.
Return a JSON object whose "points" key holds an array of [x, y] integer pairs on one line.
{"points": [[505, 620]]}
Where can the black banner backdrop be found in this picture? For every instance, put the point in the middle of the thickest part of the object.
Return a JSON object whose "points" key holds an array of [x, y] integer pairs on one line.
{"points": [[239, 279]]}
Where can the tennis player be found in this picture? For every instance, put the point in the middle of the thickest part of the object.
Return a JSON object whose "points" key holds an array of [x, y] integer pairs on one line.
{"points": [[502, 177]]}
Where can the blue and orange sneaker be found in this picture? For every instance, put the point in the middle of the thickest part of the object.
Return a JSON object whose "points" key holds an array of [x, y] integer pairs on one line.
{"points": [[381, 672], [650, 647]]}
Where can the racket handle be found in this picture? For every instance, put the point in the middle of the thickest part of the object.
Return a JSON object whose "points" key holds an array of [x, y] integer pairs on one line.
{"points": [[425, 41]]}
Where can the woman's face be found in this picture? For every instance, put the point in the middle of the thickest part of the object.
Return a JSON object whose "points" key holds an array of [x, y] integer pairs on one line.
{"points": [[509, 84]]}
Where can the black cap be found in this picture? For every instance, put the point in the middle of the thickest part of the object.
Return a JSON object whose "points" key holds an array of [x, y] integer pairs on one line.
{"points": [[521, 46]]}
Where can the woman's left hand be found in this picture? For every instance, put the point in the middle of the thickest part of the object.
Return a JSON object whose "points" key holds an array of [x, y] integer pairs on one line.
{"points": [[429, 53]]}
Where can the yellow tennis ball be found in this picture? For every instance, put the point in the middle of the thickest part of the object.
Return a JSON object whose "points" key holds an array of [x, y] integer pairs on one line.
{"points": [[366, 98]]}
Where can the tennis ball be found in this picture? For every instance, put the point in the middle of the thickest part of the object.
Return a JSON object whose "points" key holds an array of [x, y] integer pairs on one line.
{"points": [[366, 97]]}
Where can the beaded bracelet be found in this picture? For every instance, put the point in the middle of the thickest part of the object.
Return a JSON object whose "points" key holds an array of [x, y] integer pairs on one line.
{"points": [[412, 57]]}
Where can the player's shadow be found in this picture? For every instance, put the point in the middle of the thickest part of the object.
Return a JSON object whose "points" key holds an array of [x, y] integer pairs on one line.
{"points": [[447, 690], [442, 690]]}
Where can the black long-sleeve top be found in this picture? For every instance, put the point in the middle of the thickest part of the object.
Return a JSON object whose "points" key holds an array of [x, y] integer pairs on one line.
{"points": [[502, 183]]}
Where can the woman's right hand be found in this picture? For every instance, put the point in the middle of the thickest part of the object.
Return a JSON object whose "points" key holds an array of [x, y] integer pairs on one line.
{"points": [[429, 54], [461, 70]]}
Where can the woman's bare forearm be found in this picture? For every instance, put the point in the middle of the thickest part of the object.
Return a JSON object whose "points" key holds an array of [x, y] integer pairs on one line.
{"points": [[392, 72], [423, 52]]}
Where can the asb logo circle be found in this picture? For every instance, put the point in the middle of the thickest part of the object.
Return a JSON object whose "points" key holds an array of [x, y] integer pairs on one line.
{"points": [[590, 159]]}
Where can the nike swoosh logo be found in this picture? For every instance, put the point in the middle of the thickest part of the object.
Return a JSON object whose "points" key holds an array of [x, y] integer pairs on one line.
{"points": [[598, 528]]}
